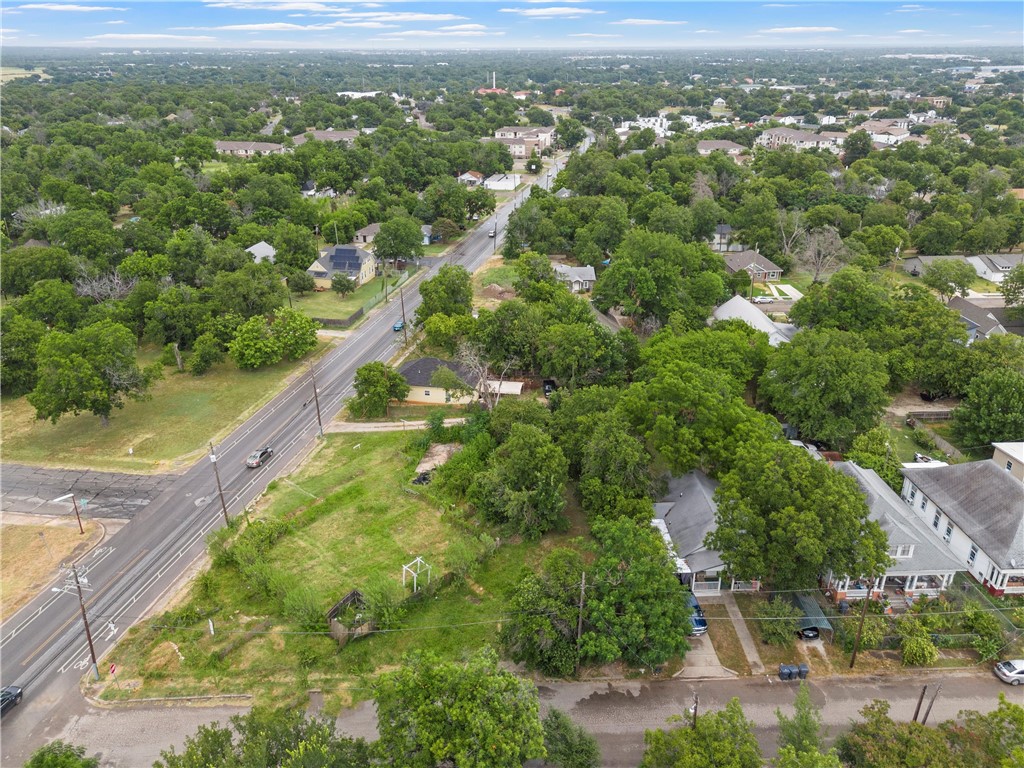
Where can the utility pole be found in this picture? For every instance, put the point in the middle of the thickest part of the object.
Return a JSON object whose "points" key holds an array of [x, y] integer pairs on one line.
{"points": [[924, 720], [74, 502], [579, 620], [220, 490], [405, 328], [920, 701], [316, 399], [860, 627], [88, 632]]}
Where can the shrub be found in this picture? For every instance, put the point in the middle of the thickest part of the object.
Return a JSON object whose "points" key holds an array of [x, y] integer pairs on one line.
{"points": [[919, 651], [206, 351], [384, 598], [460, 557], [779, 620]]}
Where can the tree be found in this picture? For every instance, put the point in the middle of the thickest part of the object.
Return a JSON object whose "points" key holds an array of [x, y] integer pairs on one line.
{"points": [[480, 202], [399, 239], [52, 302], [874, 450], [570, 132], [376, 385], [790, 758], [449, 292], [801, 732], [993, 409], [853, 300], [723, 739], [569, 745], [828, 384], [23, 267], [543, 614], [446, 229], [614, 468], [473, 715], [254, 346], [92, 369], [821, 251], [524, 484], [19, 342], [342, 285], [937, 235], [785, 518], [949, 277], [881, 742], [303, 282], [856, 146], [60, 754], [511, 411], [635, 610], [206, 350], [268, 738], [1012, 288], [255, 289], [780, 620], [294, 332]]}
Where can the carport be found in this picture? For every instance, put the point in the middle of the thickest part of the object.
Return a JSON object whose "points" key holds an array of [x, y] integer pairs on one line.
{"points": [[813, 615]]}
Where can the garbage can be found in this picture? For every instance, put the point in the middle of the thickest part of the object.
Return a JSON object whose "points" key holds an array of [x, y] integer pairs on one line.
{"points": [[803, 671], [785, 673]]}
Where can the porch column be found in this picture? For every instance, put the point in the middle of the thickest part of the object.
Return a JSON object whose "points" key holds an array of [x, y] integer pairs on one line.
{"points": [[912, 584]]}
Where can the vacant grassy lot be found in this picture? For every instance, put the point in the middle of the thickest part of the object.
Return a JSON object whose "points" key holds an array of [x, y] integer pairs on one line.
{"points": [[31, 554], [330, 305], [353, 516], [7, 74], [167, 431]]}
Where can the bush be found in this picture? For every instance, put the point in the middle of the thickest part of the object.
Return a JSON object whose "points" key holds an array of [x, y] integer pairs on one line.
{"points": [[461, 556], [568, 744], [206, 351], [384, 598], [300, 605], [779, 620], [919, 651]]}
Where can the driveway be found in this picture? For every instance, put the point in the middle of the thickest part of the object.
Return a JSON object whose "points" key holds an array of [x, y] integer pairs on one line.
{"points": [[31, 490]]}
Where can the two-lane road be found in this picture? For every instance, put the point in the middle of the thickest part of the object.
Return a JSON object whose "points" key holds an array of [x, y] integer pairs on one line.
{"points": [[43, 646]]}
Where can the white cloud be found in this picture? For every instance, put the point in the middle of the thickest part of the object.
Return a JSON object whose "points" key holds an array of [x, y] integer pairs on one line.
{"points": [[983, 26], [116, 21], [284, 26], [396, 16], [591, 34], [554, 12], [463, 27], [151, 38], [66, 7], [561, 1], [912, 9], [277, 5], [705, 32], [418, 33], [646, 22], [779, 5], [909, 31], [798, 30]]}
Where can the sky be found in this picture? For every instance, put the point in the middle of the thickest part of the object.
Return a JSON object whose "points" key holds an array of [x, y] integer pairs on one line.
{"points": [[508, 24]]}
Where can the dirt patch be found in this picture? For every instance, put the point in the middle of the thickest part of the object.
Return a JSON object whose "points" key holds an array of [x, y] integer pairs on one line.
{"points": [[436, 456], [495, 291], [164, 658], [910, 400]]}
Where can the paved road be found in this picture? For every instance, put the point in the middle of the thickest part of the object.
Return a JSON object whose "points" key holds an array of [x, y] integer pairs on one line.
{"points": [[31, 490], [43, 646], [617, 713]]}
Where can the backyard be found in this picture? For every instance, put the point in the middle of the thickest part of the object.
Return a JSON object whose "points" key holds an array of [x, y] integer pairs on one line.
{"points": [[350, 517], [165, 432]]}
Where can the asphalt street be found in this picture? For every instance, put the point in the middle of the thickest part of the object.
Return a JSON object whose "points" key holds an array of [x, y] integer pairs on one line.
{"points": [[32, 490], [617, 713], [43, 646]]}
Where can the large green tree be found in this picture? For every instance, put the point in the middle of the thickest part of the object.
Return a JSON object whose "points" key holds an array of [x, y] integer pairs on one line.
{"points": [[723, 739], [785, 518], [828, 384], [399, 239], [449, 292], [568, 745], [472, 715], [294, 331], [60, 754], [949, 277], [93, 369], [993, 410], [19, 342], [1012, 288], [376, 385]]}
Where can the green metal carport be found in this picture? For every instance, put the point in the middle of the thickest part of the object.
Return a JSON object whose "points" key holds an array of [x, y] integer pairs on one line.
{"points": [[813, 615]]}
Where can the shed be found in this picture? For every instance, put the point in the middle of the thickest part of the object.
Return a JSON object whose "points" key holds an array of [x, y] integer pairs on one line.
{"points": [[813, 615]]}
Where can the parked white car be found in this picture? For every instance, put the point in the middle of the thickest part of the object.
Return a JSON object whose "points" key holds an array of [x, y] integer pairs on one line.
{"points": [[762, 299]]}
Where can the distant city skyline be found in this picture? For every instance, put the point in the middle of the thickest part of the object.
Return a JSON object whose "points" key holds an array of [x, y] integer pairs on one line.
{"points": [[509, 24]]}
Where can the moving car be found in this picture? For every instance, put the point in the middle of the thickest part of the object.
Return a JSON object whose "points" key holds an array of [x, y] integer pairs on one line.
{"points": [[1011, 672], [700, 624], [493, 233], [10, 697], [400, 325], [256, 458], [762, 299]]}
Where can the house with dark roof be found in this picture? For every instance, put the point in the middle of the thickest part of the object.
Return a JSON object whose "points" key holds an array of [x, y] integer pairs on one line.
{"points": [[419, 373], [348, 260], [921, 565], [977, 511], [579, 279], [981, 322], [760, 268]]}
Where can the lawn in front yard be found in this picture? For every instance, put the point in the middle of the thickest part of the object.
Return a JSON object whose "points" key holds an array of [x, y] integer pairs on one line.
{"points": [[352, 516], [169, 430], [724, 638], [330, 305]]}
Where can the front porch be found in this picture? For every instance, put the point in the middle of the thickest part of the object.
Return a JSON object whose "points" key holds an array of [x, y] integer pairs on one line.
{"points": [[710, 583], [897, 588]]}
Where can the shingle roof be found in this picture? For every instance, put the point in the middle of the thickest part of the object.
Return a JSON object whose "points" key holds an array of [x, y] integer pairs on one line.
{"points": [[900, 524], [984, 501], [734, 262], [419, 372], [346, 259], [981, 317], [738, 308], [689, 513]]}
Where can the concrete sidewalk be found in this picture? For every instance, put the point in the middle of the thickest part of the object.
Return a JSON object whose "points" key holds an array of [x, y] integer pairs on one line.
{"points": [[746, 640], [383, 426]]}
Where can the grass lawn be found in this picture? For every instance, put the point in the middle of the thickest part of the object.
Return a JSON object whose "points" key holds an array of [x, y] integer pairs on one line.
{"points": [[354, 516], [165, 432], [724, 638], [903, 443], [413, 413], [799, 280], [329, 305], [503, 275], [30, 555]]}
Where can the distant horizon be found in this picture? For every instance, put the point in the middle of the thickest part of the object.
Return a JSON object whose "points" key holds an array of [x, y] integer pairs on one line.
{"points": [[509, 25]]}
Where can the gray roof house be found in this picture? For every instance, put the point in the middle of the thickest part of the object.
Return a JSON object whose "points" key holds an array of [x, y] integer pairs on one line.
{"points": [[981, 322], [760, 268], [365, 235], [922, 565], [579, 279], [344, 259], [738, 308], [262, 251], [977, 511]]}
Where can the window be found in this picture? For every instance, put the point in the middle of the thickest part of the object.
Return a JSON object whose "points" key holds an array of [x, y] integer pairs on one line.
{"points": [[949, 532], [901, 550], [935, 521], [1009, 466], [913, 495], [924, 502], [972, 555], [426, 392]]}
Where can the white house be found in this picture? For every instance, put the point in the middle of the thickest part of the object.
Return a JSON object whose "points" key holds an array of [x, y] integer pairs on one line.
{"points": [[994, 266], [977, 510], [738, 308], [503, 182], [248, 148], [760, 268], [262, 251], [579, 279], [921, 565]]}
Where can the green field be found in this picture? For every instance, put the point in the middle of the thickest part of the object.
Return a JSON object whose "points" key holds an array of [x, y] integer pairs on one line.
{"points": [[7, 74], [166, 432], [329, 305], [353, 516]]}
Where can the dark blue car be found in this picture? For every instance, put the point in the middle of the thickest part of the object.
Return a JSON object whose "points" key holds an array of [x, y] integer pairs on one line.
{"points": [[697, 620], [398, 326]]}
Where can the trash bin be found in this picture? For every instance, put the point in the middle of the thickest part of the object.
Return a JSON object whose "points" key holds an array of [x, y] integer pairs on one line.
{"points": [[844, 607], [785, 673], [803, 670]]}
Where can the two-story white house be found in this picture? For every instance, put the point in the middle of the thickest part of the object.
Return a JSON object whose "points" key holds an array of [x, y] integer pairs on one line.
{"points": [[977, 510]]}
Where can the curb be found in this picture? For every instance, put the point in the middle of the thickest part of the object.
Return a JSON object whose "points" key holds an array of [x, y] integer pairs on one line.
{"points": [[127, 703]]}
